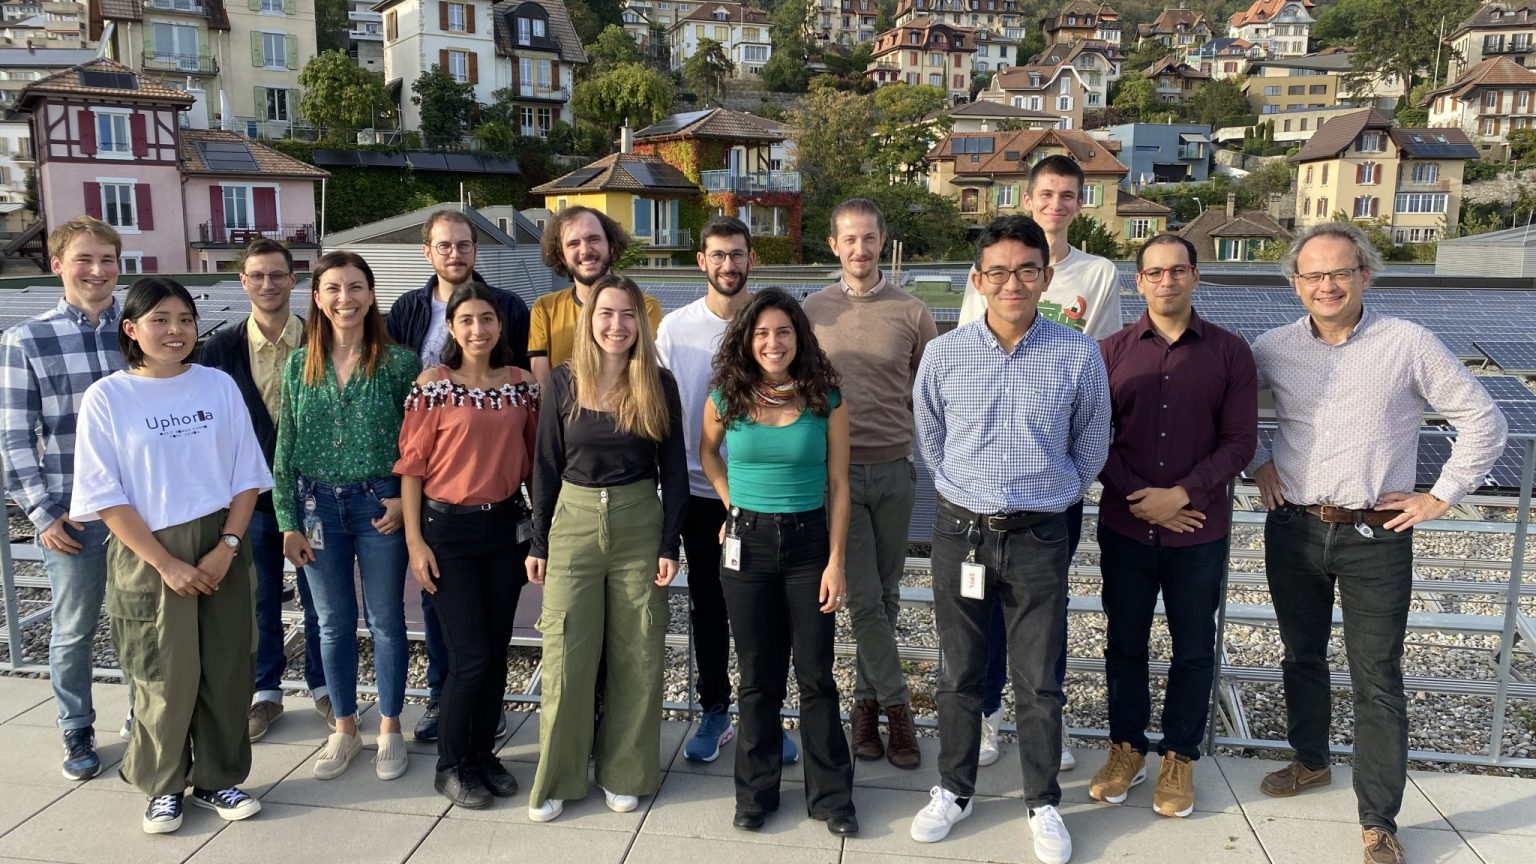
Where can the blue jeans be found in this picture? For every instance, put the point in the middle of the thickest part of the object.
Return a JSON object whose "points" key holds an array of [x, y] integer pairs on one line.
{"points": [[266, 544], [78, 584], [997, 654], [345, 511]]}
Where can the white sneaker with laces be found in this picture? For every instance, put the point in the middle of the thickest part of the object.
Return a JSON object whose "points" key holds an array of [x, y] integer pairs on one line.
{"points": [[1068, 761], [932, 823], [991, 726], [550, 809], [1053, 845], [621, 803]]}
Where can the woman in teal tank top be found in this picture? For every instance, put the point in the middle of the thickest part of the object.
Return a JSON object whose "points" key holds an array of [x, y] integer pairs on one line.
{"points": [[777, 408]]}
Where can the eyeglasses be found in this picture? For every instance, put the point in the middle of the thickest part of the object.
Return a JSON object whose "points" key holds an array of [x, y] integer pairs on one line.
{"points": [[1156, 274], [739, 256], [1029, 274], [445, 248], [1342, 278], [274, 276]]}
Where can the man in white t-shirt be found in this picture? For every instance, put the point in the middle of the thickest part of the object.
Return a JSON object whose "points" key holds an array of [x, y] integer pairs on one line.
{"points": [[1084, 294]]}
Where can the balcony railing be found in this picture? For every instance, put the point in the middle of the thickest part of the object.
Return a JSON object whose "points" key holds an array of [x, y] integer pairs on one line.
{"points": [[192, 64], [1408, 183], [192, 6], [752, 183], [365, 35], [668, 238], [209, 232], [535, 91], [365, 15]]}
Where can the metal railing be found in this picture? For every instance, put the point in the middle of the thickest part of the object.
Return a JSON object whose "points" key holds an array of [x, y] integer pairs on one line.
{"points": [[1509, 627], [211, 232], [535, 91], [753, 182], [192, 64]]}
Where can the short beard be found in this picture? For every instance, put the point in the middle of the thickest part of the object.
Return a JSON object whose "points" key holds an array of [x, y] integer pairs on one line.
{"points": [[607, 268], [718, 289]]}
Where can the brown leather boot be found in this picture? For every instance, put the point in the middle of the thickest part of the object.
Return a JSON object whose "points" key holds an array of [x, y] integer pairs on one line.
{"points": [[902, 752], [866, 729]]}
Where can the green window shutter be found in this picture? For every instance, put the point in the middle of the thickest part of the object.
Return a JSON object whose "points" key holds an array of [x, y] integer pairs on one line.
{"points": [[149, 38], [290, 7], [1127, 229], [292, 45], [256, 57], [254, 5], [259, 100]]}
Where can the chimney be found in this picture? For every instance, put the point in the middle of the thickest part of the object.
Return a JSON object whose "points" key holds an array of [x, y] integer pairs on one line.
{"points": [[1231, 204], [1274, 206], [626, 139]]}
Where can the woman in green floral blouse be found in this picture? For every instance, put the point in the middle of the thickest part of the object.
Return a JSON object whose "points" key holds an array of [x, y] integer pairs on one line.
{"points": [[338, 500]]}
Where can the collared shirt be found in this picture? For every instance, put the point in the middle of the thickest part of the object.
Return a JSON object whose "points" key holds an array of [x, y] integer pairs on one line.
{"points": [[552, 324], [847, 289], [1002, 431], [1349, 414], [46, 364], [1185, 414], [268, 358]]}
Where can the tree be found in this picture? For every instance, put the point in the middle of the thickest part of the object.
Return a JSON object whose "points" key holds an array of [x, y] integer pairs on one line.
{"points": [[830, 129], [1396, 38], [445, 106], [1522, 144], [707, 70], [1031, 46], [1137, 96], [902, 135], [330, 25], [928, 225], [784, 73], [613, 47], [1338, 24], [1217, 100], [629, 92], [885, 16], [789, 29], [341, 97], [589, 17], [1090, 235]]}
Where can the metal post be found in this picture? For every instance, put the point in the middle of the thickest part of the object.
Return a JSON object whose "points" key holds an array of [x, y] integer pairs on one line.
{"points": [[12, 615], [1221, 627], [1512, 601]]}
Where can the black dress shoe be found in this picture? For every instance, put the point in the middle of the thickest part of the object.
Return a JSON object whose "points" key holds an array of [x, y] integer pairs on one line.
{"points": [[748, 821], [843, 824], [463, 787], [494, 774], [426, 727]]}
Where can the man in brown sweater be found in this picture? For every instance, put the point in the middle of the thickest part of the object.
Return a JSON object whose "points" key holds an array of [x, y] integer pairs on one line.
{"points": [[875, 333]]}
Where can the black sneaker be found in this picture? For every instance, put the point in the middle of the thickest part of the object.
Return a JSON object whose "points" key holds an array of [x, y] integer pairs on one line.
{"points": [[494, 774], [426, 727], [163, 815], [231, 804], [461, 785], [80, 759]]}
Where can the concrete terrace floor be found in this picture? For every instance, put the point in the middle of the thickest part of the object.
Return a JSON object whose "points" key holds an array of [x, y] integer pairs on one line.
{"points": [[1446, 818]]}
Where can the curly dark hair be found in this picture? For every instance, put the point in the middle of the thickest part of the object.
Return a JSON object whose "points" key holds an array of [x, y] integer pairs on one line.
{"points": [[737, 372]]}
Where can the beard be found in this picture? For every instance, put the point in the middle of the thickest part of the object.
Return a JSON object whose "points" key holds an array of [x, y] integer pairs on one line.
{"points": [[725, 291]]}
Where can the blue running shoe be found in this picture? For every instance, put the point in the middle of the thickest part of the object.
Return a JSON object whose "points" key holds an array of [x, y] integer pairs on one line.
{"points": [[714, 732], [80, 759], [791, 752]]}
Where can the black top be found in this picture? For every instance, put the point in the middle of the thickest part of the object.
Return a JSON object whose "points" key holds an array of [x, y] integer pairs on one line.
{"points": [[229, 350], [584, 449], [410, 317]]}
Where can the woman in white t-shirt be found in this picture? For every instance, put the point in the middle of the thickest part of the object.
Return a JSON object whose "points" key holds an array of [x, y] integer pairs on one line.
{"points": [[166, 457]]}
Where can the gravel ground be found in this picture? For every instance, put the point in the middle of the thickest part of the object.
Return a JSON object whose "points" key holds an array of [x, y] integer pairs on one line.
{"points": [[1439, 722]]}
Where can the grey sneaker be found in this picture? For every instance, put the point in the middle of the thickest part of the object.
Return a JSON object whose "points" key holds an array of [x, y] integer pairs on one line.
{"points": [[324, 709], [259, 718]]}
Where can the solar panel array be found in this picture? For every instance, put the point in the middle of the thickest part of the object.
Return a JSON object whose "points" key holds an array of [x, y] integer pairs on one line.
{"points": [[1511, 355], [218, 305], [108, 80], [232, 156]]}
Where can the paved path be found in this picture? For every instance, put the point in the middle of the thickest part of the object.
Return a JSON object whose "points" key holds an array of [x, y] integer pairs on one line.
{"points": [[1446, 819]]}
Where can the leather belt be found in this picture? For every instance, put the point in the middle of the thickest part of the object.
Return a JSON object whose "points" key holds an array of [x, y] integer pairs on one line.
{"points": [[461, 509], [1345, 516], [1016, 520]]}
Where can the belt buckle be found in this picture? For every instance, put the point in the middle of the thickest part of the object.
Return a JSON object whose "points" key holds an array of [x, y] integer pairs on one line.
{"points": [[484, 507], [999, 521], [1336, 515]]}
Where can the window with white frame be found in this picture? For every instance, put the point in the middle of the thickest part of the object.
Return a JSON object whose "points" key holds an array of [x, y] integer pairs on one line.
{"points": [[1063, 103], [112, 136], [458, 66], [1426, 172], [935, 79], [274, 50], [544, 70], [765, 221], [1140, 229], [1092, 194], [1372, 142], [456, 12], [525, 120], [540, 28], [175, 45], [130, 263], [277, 108], [237, 207], [1034, 103], [272, 6], [1362, 207], [545, 121], [755, 53], [1370, 173], [117, 204], [1491, 99], [524, 31], [1006, 195], [1066, 86], [1421, 202]]}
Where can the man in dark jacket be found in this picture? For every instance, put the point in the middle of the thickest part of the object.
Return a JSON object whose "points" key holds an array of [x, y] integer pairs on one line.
{"points": [[419, 320], [253, 352]]}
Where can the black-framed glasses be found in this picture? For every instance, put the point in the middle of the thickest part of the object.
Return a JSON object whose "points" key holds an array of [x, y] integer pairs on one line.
{"points": [[737, 256], [463, 247], [1343, 277], [274, 276], [1156, 274], [1029, 274]]}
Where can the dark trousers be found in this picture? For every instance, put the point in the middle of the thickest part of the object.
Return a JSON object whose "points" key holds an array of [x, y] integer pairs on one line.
{"points": [[1305, 558], [266, 544], [997, 657], [480, 577], [706, 602], [1027, 577], [1189, 578], [437, 649], [775, 607]]}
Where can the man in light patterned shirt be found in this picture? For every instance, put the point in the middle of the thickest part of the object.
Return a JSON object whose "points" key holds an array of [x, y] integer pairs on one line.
{"points": [[1350, 387], [46, 364]]}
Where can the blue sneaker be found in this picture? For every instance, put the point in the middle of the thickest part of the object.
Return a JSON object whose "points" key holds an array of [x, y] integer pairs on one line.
{"points": [[791, 752], [80, 759], [714, 732]]}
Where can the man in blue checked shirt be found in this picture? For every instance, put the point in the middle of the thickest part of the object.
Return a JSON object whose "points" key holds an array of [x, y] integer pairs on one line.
{"points": [[46, 364], [1013, 417]]}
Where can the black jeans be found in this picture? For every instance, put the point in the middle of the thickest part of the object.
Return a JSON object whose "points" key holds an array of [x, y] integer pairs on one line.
{"points": [[480, 576], [775, 606], [1027, 575], [1305, 558], [706, 602], [1190, 580]]}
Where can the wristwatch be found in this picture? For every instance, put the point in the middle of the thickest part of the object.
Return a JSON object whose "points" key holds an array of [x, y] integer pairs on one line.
{"points": [[230, 540]]}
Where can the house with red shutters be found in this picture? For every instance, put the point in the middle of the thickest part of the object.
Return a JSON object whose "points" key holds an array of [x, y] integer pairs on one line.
{"points": [[109, 143]]}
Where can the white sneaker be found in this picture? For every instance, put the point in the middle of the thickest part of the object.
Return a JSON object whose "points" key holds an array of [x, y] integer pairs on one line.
{"points": [[339, 750], [621, 803], [1053, 845], [391, 760], [1068, 761], [991, 725], [932, 823], [126, 733], [550, 809]]}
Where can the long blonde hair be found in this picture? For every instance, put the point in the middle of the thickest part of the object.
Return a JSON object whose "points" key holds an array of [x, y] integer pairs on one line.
{"points": [[638, 403]]}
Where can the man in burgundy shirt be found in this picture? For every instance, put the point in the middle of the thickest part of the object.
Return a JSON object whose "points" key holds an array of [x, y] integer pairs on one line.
{"points": [[1185, 401]]}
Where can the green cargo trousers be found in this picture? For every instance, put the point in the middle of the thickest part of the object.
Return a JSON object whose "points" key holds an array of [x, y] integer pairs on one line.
{"points": [[190, 662], [600, 594]]}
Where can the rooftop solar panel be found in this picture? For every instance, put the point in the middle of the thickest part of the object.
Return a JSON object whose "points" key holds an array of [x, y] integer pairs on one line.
{"points": [[668, 125], [108, 80], [577, 178], [231, 156], [1511, 355], [1507, 388], [1521, 417]]}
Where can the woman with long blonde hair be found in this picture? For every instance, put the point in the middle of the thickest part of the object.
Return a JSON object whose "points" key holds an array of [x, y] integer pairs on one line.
{"points": [[610, 433]]}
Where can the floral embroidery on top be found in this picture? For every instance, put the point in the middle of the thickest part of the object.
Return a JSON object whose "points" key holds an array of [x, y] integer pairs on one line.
{"points": [[435, 394]]}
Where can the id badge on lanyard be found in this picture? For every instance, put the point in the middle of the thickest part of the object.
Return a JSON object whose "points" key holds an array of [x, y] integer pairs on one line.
{"points": [[973, 576], [730, 550]]}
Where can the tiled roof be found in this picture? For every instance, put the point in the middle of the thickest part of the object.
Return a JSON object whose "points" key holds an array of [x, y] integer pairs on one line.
{"points": [[959, 38], [1508, 16], [560, 29], [1214, 222], [1063, 52], [1335, 135], [735, 12], [1448, 143], [1175, 66], [122, 10], [1262, 10], [1017, 77], [1127, 204], [1090, 153], [269, 162], [1496, 71], [659, 176], [1169, 21], [718, 123], [68, 83]]}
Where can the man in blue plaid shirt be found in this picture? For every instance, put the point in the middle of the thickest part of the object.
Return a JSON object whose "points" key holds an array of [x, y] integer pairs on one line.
{"points": [[46, 364]]}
